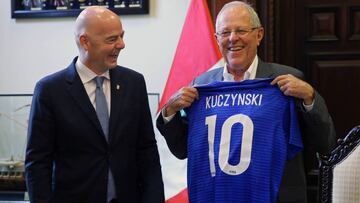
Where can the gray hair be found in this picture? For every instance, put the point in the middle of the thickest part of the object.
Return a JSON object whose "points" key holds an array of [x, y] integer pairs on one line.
{"points": [[254, 18]]}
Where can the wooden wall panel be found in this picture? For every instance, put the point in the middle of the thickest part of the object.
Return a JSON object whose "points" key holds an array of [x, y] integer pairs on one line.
{"points": [[336, 81], [354, 23], [323, 24]]}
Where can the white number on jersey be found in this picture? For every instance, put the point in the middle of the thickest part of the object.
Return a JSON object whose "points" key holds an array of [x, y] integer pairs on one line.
{"points": [[225, 138]]}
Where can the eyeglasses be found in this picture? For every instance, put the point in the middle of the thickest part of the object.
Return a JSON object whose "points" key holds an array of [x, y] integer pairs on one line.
{"points": [[242, 32]]}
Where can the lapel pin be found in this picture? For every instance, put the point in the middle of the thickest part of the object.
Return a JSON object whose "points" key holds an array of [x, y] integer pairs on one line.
{"points": [[117, 87]]}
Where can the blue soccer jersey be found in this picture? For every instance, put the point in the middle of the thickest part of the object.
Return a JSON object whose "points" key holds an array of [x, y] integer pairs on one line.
{"points": [[240, 135]]}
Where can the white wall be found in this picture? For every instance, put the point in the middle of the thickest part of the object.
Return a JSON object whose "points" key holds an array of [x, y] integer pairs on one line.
{"points": [[33, 48]]}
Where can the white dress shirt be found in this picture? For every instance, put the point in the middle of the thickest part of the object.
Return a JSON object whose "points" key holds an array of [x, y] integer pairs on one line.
{"points": [[249, 74], [87, 78]]}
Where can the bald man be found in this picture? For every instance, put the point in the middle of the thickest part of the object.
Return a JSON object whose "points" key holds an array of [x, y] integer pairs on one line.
{"points": [[91, 141]]}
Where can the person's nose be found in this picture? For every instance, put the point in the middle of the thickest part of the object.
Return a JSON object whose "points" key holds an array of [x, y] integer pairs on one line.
{"points": [[120, 44], [233, 36]]}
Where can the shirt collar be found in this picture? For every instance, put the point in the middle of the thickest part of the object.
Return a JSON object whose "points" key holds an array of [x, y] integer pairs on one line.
{"points": [[250, 73], [86, 74]]}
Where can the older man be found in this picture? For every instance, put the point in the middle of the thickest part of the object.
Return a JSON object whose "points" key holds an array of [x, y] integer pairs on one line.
{"points": [[239, 33]]}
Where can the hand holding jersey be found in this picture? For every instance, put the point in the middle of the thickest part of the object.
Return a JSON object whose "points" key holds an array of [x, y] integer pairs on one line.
{"points": [[183, 98], [293, 86], [288, 84]]}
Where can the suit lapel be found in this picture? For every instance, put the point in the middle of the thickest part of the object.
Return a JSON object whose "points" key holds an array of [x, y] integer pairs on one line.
{"points": [[78, 93], [218, 76], [118, 91], [264, 70]]}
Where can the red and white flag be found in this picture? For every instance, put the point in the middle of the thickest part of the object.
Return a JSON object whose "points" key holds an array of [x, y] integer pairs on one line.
{"points": [[196, 53], [197, 50]]}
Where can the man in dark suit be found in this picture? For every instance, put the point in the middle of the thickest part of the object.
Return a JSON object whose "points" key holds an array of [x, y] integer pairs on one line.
{"points": [[239, 33], [74, 154]]}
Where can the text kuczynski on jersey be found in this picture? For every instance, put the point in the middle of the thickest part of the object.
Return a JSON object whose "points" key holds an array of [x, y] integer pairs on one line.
{"points": [[223, 100]]}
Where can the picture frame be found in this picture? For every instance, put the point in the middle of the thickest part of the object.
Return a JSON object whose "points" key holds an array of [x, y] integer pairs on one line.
{"points": [[71, 8]]}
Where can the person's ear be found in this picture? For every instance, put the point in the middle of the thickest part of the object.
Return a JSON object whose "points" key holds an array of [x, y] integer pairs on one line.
{"points": [[217, 38], [84, 42], [260, 35]]}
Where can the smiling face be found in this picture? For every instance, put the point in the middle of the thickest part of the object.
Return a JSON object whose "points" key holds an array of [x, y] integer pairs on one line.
{"points": [[102, 41], [237, 38]]}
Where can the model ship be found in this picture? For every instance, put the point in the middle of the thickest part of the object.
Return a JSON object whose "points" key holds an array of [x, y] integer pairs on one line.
{"points": [[13, 130], [12, 175]]}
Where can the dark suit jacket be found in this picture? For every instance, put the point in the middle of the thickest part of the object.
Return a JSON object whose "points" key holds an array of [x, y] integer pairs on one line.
{"points": [[316, 127], [67, 156]]}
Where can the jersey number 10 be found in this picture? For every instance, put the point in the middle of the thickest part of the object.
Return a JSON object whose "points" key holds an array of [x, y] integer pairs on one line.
{"points": [[225, 138]]}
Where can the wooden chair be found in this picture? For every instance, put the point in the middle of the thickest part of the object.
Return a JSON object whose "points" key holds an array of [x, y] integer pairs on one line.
{"points": [[339, 173]]}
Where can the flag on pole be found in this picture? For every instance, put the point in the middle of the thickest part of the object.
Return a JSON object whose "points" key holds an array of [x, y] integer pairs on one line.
{"points": [[196, 53], [197, 50]]}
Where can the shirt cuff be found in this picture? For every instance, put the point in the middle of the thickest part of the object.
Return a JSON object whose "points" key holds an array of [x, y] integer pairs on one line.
{"points": [[308, 107], [166, 118]]}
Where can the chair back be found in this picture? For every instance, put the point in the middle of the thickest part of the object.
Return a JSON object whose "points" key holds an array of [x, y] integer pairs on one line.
{"points": [[339, 172]]}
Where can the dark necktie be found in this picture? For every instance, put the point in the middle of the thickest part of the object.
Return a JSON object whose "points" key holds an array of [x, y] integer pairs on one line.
{"points": [[103, 116]]}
